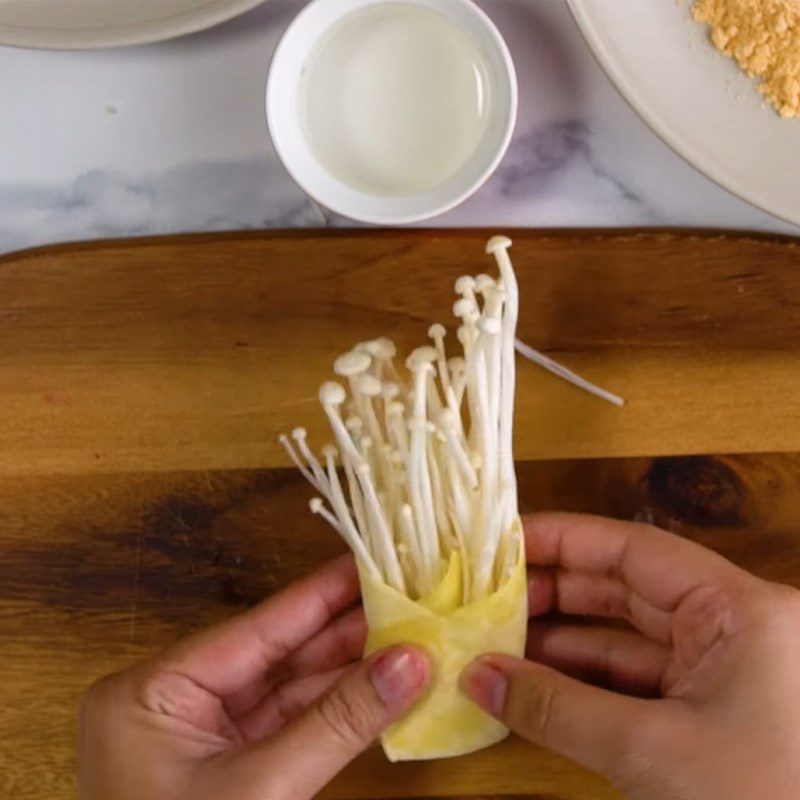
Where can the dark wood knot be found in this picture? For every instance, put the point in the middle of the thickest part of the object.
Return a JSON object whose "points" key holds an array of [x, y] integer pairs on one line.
{"points": [[697, 490]]}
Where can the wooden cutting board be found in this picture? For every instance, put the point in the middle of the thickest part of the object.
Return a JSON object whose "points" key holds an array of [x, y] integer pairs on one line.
{"points": [[144, 383]]}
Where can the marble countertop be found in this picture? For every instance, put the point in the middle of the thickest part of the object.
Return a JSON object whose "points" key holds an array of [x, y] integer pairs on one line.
{"points": [[171, 137]]}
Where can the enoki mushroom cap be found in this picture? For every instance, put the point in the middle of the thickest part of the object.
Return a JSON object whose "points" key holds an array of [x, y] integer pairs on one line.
{"points": [[484, 283], [464, 307], [379, 348], [352, 363], [388, 349], [456, 364], [498, 243], [421, 359], [368, 385], [437, 331], [465, 285], [332, 394]]}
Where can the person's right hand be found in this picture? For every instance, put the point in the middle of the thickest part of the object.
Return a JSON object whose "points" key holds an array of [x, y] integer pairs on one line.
{"points": [[703, 697]]}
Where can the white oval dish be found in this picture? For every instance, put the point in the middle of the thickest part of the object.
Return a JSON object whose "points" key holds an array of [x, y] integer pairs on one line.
{"points": [[284, 116], [699, 102], [94, 24]]}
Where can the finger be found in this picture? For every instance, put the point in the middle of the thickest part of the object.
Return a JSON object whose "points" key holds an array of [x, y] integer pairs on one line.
{"points": [[542, 596], [583, 594], [658, 566], [338, 644], [285, 704], [592, 726], [578, 593], [228, 656], [342, 724], [621, 660]]}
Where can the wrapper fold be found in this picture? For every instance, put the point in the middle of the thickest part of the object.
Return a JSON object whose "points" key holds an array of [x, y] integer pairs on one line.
{"points": [[445, 723]]}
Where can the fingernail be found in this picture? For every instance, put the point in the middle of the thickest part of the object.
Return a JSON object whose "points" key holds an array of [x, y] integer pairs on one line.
{"points": [[485, 685], [398, 675]]}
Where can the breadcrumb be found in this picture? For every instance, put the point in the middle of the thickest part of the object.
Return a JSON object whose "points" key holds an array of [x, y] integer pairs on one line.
{"points": [[764, 38]]}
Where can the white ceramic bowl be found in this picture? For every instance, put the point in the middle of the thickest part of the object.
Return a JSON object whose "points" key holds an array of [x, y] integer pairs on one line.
{"points": [[283, 116]]}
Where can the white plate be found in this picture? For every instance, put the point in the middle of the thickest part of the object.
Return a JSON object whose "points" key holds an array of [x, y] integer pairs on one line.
{"points": [[697, 100], [82, 24]]}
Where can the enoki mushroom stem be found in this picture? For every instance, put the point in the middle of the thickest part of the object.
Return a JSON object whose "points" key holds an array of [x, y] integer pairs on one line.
{"points": [[427, 458], [427, 461]]}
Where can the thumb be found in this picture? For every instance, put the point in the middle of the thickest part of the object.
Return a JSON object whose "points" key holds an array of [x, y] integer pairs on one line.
{"points": [[312, 749], [592, 726]]}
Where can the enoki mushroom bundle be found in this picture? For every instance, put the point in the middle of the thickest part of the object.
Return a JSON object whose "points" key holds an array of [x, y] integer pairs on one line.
{"points": [[421, 486]]}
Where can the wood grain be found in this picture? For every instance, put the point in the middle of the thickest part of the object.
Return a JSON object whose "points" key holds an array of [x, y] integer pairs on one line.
{"points": [[194, 352], [99, 571], [144, 383]]}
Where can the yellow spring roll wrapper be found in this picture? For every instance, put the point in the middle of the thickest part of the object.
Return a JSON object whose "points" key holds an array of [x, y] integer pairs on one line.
{"points": [[445, 723]]}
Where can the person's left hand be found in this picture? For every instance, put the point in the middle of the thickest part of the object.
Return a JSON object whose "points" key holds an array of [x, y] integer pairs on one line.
{"points": [[267, 706]]}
